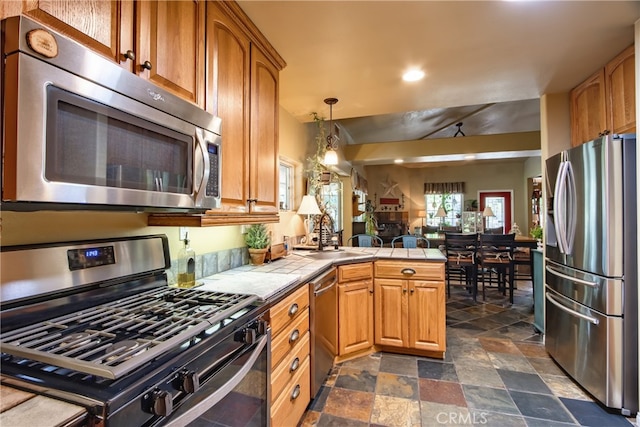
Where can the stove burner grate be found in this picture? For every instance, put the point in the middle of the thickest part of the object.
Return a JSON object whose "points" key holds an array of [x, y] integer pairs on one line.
{"points": [[112, 339]]}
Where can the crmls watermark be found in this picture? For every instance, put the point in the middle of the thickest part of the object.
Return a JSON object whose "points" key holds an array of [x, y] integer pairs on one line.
{"points": [[462, 418]]}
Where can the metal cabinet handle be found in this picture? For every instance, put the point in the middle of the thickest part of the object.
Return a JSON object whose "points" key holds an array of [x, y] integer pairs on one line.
{"points": [[413, 290], [410, 271], [371, 291], [295, 365], [146, 65], [129, 55], [404, 291], [294, 336], [296, 392], [293, 309]]}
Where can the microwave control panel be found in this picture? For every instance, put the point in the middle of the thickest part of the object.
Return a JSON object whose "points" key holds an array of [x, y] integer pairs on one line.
{"points": [[213, 184]]}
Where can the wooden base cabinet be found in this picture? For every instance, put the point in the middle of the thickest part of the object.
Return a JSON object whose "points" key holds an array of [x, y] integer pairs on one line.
{"points": [[355, 308], [410, 307], [290, 380]]}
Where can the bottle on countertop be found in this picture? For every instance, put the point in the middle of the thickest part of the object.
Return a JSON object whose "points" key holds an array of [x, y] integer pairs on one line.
{"points": [[186, 265]]}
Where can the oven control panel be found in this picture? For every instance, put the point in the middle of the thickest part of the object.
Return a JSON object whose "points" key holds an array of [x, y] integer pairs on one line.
{"points": [[82, 258]]}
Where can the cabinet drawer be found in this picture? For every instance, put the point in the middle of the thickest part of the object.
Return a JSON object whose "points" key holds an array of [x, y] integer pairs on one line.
{"points": [[284, 342], [288, 309], [290, 406], [348, 273], [423, 270], [289, 366]]}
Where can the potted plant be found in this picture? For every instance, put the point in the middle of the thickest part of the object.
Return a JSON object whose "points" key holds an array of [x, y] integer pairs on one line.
{"points": [[258, 241], [536, 233]]}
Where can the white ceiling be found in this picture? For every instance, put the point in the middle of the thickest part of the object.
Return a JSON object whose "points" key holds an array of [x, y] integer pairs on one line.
{"points": [[486, 62]]}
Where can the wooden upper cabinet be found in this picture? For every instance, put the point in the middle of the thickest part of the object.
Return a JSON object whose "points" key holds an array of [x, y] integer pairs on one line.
{"points": [[605, 102], [264, 134], [170, 46], [620, 89], [95, 24], [227, 96], [588, 113]]}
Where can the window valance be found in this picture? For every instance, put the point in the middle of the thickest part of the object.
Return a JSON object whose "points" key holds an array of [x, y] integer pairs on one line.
{"points": [[443, 187]]}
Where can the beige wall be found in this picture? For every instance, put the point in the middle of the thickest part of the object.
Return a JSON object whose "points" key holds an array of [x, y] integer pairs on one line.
{"points": [[509, 175]]}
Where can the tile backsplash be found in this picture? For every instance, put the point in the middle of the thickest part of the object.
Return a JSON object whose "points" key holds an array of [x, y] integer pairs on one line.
{"points": [[213, 262]]}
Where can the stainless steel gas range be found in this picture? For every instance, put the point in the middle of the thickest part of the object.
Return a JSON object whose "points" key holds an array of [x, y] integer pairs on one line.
{"points": [[95, 323]]}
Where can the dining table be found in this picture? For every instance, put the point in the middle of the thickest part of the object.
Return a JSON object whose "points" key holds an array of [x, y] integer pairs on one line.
{"points": [[436, 240]]}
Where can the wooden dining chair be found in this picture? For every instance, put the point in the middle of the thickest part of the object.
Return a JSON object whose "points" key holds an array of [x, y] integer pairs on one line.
{"points": [[461, 252], [495, 262], [409, 241], [365, 240]]}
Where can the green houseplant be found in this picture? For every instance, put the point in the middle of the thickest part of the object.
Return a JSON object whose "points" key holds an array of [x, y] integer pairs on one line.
{"points": [[536, 233], [258, 240]]}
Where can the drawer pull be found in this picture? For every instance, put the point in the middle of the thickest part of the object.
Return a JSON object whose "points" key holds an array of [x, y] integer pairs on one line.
{"points": [[296, 392], [409, 271], [294, 335], [293, 309], [295, 365]]}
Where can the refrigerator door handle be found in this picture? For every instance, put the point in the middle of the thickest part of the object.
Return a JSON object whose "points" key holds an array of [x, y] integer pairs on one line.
{"points": [[562, 307], [559, 198], [571, 216], [573, 279]]}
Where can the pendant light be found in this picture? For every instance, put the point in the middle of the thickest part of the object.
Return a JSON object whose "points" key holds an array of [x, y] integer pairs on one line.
{"points": [[330, 155]]}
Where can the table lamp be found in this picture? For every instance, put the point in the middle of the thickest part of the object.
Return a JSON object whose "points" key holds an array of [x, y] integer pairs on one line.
{"points": [[308, 207], [487, 213], [441, 214]]}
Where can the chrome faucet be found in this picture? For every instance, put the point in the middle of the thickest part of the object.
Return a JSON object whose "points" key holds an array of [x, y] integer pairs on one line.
{"points": [[320, 230]]}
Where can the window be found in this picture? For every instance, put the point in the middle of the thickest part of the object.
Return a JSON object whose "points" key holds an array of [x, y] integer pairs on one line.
{"points": [[332, 201], [285, 190], [452, 204]]}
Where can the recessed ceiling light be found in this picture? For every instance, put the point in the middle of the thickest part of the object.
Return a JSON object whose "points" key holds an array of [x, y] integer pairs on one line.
{"points": [[470, 157], [413, 75], [398, 161]]}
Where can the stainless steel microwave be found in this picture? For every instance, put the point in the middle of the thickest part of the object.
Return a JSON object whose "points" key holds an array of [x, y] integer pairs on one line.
{"points": [[81, 132]]}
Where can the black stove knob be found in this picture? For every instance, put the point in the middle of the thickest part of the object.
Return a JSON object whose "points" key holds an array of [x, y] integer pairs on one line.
{"points": [[188, 382], [158, 402]]}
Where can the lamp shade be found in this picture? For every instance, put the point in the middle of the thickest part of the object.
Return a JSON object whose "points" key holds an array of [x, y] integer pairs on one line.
{"points": [[309, 206], [422, 214], [487, 211], [441, 212], [330, 157]]}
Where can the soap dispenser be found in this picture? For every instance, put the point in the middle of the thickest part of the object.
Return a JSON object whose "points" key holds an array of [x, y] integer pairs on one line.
{"points": [[186, 265]]}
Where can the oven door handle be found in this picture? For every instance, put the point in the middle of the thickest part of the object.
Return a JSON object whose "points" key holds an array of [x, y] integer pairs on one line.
{"points": [[220, 393]]}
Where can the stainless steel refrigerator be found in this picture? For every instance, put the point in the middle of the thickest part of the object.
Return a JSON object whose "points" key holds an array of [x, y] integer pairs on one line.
{"points": [[591, 279]]}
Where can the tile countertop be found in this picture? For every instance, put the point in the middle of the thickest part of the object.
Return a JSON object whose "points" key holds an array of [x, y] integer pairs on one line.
{"points": [[270, 280]]}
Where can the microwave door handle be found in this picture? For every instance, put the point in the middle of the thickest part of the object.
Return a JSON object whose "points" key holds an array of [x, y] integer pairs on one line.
{"points": [[200, 167], [221, 392]]}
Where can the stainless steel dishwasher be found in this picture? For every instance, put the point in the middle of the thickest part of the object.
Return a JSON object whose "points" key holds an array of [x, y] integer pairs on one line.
{"points": [[324, 326]]}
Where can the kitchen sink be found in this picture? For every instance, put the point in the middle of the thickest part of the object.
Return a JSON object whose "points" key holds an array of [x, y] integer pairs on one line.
{"points": [[333, 254]]}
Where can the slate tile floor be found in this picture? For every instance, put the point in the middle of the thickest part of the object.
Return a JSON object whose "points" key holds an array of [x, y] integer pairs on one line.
{"points": [[495, 373]]}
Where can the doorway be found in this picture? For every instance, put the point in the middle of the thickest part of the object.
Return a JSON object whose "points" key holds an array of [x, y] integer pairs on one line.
{"points": [[500, 204]]}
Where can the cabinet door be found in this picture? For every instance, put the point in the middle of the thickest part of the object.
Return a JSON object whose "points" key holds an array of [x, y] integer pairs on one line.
{"points": [[427, 315], [227, 96], [355, 306], [93, 23], [588, 111], [263, 186], [620, 88], [170, 50], [391, 312]]}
